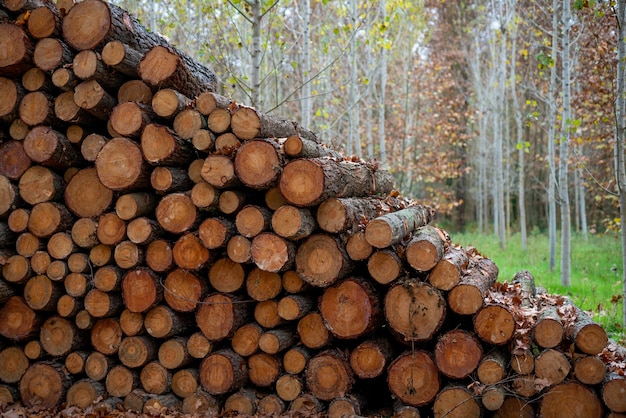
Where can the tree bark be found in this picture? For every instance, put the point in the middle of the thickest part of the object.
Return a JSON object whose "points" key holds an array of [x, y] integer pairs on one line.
{"points": [[392, 228], [467, 297], [248, 123], [426, 248]]}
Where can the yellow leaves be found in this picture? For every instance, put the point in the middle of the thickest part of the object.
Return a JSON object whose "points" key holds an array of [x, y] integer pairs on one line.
{"points": [[524, 53]]}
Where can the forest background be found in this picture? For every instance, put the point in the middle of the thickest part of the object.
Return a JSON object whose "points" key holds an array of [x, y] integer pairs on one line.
{"points": [[498, 113]]}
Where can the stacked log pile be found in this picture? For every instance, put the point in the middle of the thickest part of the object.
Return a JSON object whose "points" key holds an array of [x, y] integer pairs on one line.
{"points": [[164, 248]]}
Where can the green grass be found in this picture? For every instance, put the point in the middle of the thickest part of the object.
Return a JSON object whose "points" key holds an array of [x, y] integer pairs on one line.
{"points": [[596, 270]]}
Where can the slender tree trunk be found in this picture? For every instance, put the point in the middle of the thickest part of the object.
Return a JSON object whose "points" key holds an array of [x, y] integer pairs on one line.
{"points": [[381, 100], [552, 140], [306, 64], [352, 136], [257, 54], [564, 198], [620, 132], [582, 207]]}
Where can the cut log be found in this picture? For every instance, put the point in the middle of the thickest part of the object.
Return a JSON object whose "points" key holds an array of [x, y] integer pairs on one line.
{"points": [[18, 218], [276, 340], [262, 285], [35, 79], [245, 341], [134, 91], [52, 53], [448, 272], [189, 253], [159, 255], [162, 146], [16, 269], [263, 369], [141, 290], [166, 68], [298, 147], [88, 65], [289, 387], [169, 180], [425, 249], [251, 220], [84, 232], [220, 315], [242, 402], [64, 79], [371, 357], [155, 378], [137, 351], [17, 50], [203, 140], [208, 101], [111, 229], [201, 403], [248, 123], [384, 266], [176, 213], [168, 102], [75, 361], [328, 375], [272, 253], [457, 354], [131, 323], [514, 407], [183, 290], [106, 335], [129, 119], [293, 223], [44, 385], [226, 276], [570, 399], [308, 182], [589, 337], [50, 148], [231, 201], [185, 382], [218, 121], [198, 345], [216, 232], [295, 359], [222, 372], [13, 364], [18, 322], [293, 307], [97, 365], [552, 367], [92, 97], [13, 159], [456, 402], [548, 330], [413, 378], [336, 215], [293, 283], [163, 322], [414, 310], [76, 285], [42, 294], [589, 370], [144, 231], [258, 163], [188, 122], [121, 167], [613, 390], [394, 227], [121, 57], [357, 246], [313, 333], [351, 308], [173, 353], [101, 304], [468, 296], [85, 393], [13, 93], [239, 249], [204, 196], [349, 405], [494, 324], [306, 404], [523, 363], [321, 260], [132, 205]]}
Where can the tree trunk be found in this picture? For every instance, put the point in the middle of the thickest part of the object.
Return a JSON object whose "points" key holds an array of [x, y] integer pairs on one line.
{"points": [[548, 330], [492, 368], [589, 370]]}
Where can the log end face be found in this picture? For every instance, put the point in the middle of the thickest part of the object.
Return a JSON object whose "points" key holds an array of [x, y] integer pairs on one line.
{"points": [[413, 378], [378, 233], [119, 164], [570, 400], [158, 65], [302, 182], [86, 24], [245, 123], [591, 339]]}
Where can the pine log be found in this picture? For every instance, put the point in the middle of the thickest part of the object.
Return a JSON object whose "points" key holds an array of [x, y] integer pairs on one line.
{"points": [[134, 91], [141, 290], [75, 362], [351, 308], [129, 119], [163, 322], [50, 148], [203, 140], [155, 378], [183, 290], [272, 253], [64, 79], [42, 294], [111, 229], [57, 270], [222, 372], [263, 369], [226, 144], [245, 340], [68, 306], [132, 205], [188, 122], [137, 351], [494, 324], [35, 79], [218, 121], [18, 218], [26, 244], [401, 410], [467, 297], [414, 310], [548, 329], [514, 407], [293, 307], [384, 266], [293, 283], [189, 253], [289, 387], [17, 50], [248, 123], [251, 220], [231, 201], [136, 400], [328, 375], [173, 353], [239, 249], [413, 378], [76, 284], [167, 103], [11, 200], [226, 276], [84, 232], [92, 97], [101, 304], [336, 215], [216, 232], [493, 397], [552, 367], [371, 357], [220, 315], [185, 382], [589, 337], [97, 365], [159, 255], [8, 395], [570, 399], [523, 363], [262, 285], [448, 272], [16, 269], [121, 167], [201, 403], [83, 320], [204, 196], [120, 381], [13, 159], [144, 231], [298, 147], [162, 146], [176, 213], [276, 340], [18, 129], [308, 182], [88, 65], [51, 53], [457, 354], [393, 227], [44, 385], [312, 331], [121, 57], [13, 93], [131, 323], [39, 262], [258, 163], [243, 402], [106, 336], [613, 392], [357, 246], [293, 223], [306, 404], [208, 101], [13, 364], [295, 359], [47, 218], [321, 260], [426, 248], [40, 184], [198, 345], [85, 393], [589, 370], [456, 402]]}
